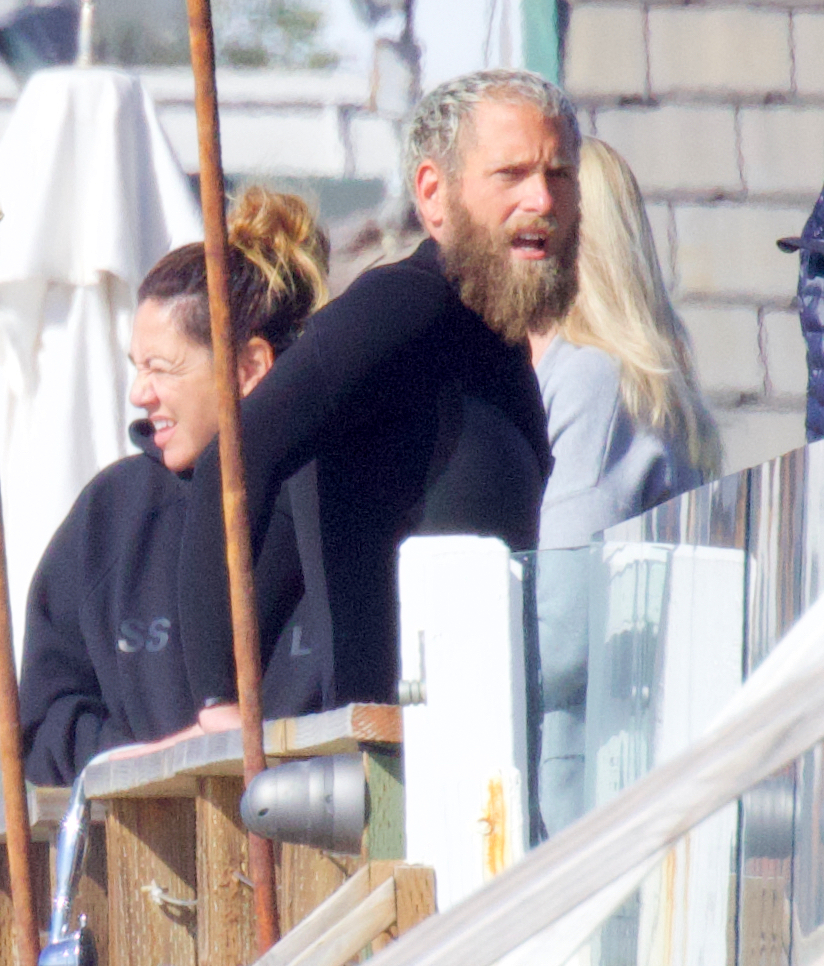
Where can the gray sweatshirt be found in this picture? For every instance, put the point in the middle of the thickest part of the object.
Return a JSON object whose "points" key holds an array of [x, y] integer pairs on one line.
{"points": [[605, 467]]}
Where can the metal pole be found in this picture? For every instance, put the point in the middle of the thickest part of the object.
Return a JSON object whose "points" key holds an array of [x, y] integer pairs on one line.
{"points": [[238, 547], [18, 835]]}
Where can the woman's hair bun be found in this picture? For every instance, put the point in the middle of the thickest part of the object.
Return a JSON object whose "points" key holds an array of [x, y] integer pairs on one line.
{"points": [[278, 233], [278, 262]]}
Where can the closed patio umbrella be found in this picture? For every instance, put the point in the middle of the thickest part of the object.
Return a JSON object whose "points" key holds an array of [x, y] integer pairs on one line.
{"points": [[93, 196]]}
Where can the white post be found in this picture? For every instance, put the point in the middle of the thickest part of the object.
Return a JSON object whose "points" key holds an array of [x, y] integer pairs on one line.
{"points": [[465, 751]]}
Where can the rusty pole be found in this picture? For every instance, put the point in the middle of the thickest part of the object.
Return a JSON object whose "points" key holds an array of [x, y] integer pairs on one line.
{"points": [[235, 514], [18, 835]]}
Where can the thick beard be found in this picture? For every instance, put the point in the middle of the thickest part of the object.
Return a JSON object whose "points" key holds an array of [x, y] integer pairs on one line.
{"points": [[513, 298]]}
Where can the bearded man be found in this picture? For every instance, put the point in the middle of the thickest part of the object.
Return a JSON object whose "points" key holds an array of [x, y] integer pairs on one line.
{"points": [[411, 396], [500, 196]]}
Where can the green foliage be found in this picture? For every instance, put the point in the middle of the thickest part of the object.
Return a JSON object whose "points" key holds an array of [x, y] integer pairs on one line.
{"points": [[269, 33], [248, 33]]}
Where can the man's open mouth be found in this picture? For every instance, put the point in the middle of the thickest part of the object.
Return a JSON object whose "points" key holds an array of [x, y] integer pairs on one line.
{"points": [[531, 241]]}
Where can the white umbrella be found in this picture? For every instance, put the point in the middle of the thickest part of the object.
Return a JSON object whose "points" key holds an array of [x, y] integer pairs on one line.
{"points": [[92, 196]]}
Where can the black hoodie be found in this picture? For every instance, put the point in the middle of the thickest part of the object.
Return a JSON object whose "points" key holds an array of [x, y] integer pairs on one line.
{"points": [[103, 660]]}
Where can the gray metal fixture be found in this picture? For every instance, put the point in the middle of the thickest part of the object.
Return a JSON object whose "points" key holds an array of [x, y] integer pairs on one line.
{"points": [[319, 802]]}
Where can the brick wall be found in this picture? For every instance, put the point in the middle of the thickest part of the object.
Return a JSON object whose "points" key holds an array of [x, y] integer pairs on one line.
{"points": [[719, 108]]}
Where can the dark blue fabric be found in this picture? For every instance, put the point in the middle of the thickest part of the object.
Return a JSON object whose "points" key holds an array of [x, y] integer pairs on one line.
{"points": [[811, 309]]}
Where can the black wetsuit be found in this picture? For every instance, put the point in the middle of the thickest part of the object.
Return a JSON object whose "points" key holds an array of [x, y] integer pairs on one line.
{"points": [[421, 421]]}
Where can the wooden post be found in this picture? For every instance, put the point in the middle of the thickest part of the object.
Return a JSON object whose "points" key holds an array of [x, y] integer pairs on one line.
{"points": [[42, 892], [307, 877], [384, 838], [225, 931], [415, 895], [151, 840], [18, 836], [238, 548], [92, 896]]}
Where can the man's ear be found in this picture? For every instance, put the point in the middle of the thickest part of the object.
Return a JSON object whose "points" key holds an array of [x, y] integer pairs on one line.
{"points": [[430, 193], [254, 360]]}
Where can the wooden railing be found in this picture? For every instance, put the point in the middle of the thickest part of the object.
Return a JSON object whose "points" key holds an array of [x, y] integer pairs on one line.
{"points": [[165, 880]]}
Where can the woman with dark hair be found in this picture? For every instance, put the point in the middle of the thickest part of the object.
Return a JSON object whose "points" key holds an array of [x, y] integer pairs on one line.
{"points": [[105, 662]]}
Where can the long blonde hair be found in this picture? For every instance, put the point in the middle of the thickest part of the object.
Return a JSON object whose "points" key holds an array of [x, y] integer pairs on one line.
{"points": [[622, 307]]}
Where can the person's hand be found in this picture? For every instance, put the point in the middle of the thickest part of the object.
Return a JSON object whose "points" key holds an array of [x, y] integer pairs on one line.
{"points": [[219, 717], [135, 751]]}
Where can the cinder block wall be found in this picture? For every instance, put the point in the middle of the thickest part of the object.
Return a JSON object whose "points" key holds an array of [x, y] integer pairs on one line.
{"points": [[719, 108], [283, 123]]}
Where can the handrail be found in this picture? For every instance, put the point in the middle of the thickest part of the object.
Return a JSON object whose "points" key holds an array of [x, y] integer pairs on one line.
{"points": [[552, 895], [173, 771]]}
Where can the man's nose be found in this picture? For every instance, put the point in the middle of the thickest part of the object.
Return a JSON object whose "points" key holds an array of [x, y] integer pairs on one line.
{"points": [[537, 197]]}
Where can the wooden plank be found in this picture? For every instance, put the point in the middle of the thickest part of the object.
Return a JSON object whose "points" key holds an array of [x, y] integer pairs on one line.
{"points": [[158, 775], [41, 880], [344, 940], [47, 806], [415, 892], [172, 771], [7, 957], [414, 895], [307, 877], [225, 915], [377, 723], [151, 840], [334, 732], [327, 915], [178, 786], [379, 872], [384, 836], [46, 809], [92, 897], [764, 936]]}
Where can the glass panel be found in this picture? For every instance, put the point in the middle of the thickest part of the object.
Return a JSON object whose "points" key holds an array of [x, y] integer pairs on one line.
{"points": [[774, 588], [808, 852], [639, 644]]}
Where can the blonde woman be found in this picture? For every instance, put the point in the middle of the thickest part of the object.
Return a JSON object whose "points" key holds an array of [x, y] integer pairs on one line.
{"points": [[627, 426], [627, 430]]}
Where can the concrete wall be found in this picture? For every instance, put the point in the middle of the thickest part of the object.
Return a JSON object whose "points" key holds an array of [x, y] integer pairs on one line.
{"points": [[719, 108]]}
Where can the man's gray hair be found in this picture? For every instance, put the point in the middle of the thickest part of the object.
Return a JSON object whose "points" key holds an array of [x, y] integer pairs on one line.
{"points": [[435, 126]]}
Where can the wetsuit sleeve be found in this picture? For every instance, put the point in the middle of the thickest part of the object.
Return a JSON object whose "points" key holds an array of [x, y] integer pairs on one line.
{"points": [[64, 719], [278, 577], [341, 373]]}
